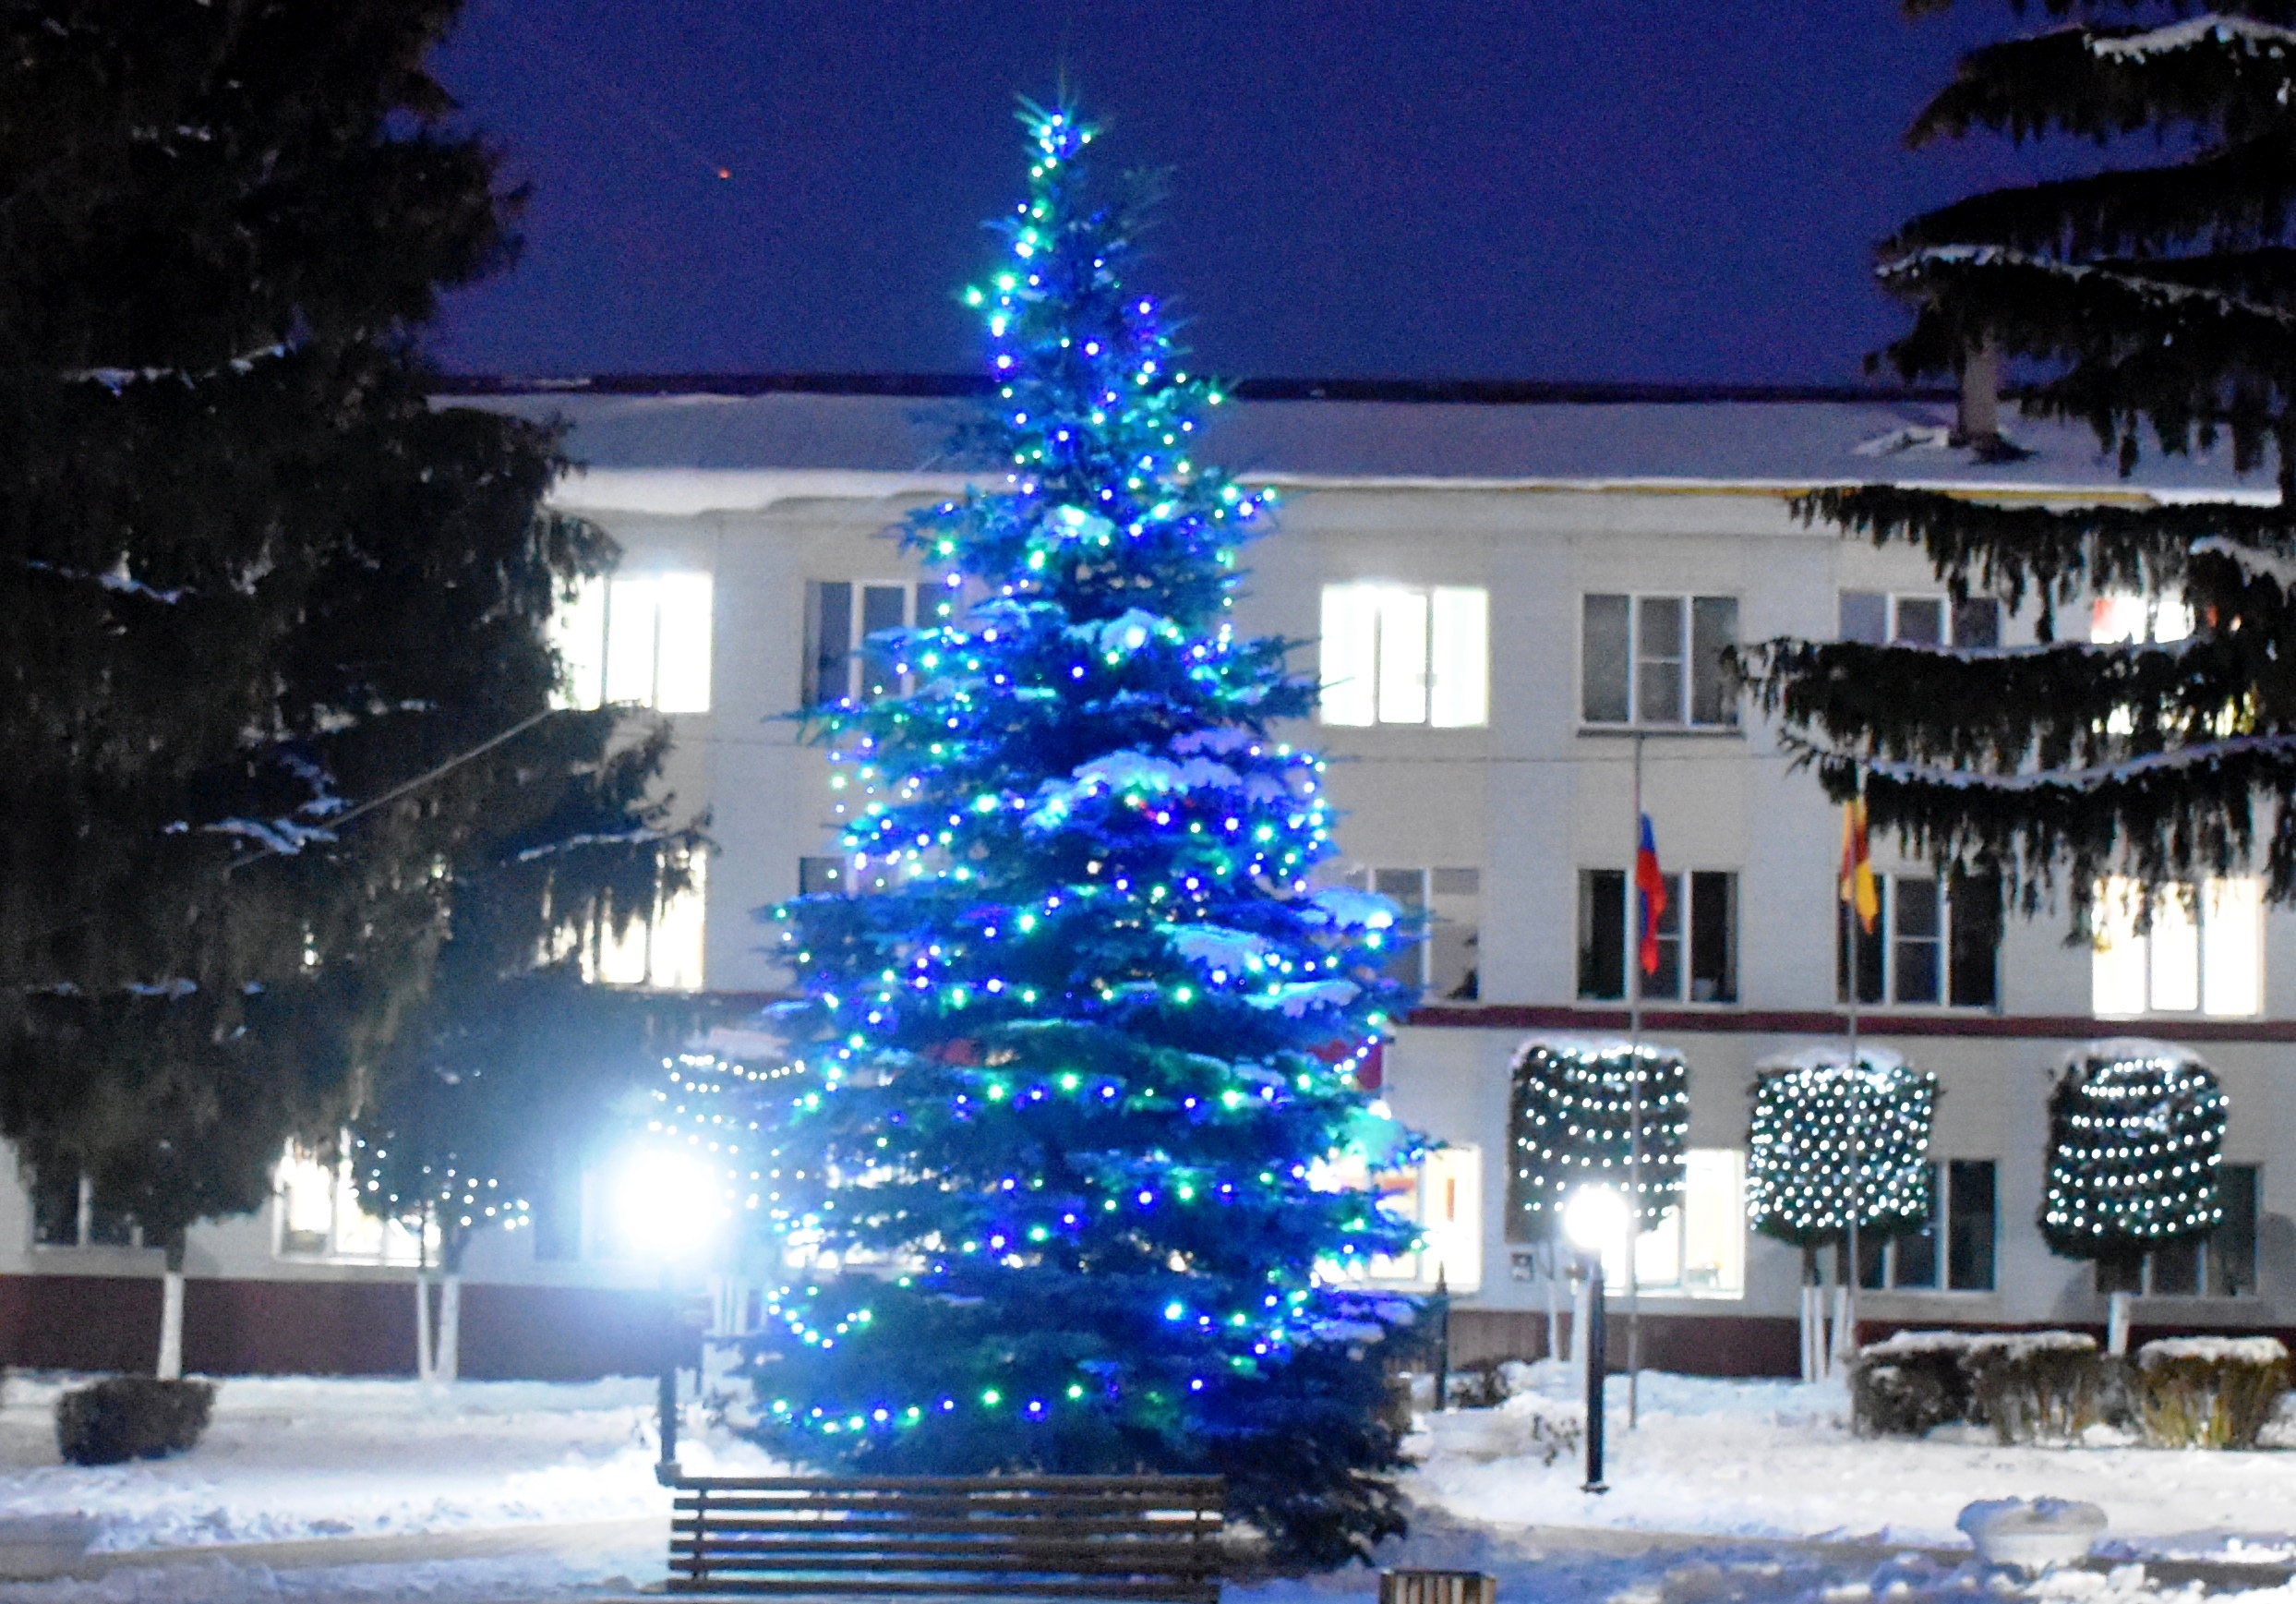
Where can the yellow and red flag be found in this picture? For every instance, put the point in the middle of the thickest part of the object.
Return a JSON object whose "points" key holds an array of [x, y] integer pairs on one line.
{"points": [[1857, 887]]}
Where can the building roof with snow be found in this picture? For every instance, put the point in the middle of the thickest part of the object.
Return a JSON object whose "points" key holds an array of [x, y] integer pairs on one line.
{"points": [[1306, 432]]}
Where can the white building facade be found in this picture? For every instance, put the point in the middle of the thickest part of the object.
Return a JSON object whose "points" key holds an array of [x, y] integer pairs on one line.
{"points": [[1513, 599]]}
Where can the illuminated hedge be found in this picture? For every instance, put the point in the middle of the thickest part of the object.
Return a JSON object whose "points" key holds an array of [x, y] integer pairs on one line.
{"points": [[2135, 1137], [1570, 1122], [1828, 1141]]}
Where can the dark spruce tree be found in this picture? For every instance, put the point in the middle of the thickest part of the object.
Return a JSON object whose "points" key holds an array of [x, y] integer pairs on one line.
{"points": [[2156, 301], [262, 602], [1057, 1150]]}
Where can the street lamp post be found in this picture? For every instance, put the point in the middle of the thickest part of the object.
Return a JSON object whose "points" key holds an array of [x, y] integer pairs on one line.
{"points": [[1596, 1218], [1597, 1372]]}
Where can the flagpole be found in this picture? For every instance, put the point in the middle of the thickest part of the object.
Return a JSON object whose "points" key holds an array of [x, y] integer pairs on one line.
{"points": [[1634, 1126], [1845, 1339]]}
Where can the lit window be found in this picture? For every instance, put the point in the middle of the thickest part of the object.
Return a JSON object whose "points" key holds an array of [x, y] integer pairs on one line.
{"points": [[666, 951], [1962, 1202], [2221, 1264], [2135, 620], [637, 638], [1881, 618], [1444, 1198], [841, 616], [1699, 1248], [1702, 903], [2203, 953], [1934, 942], [1658, 660], [318, 1216], [1400, 655]]}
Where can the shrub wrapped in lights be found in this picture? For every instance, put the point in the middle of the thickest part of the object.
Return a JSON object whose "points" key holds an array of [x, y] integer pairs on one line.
{"points": [[2136, 1136], [1829, 1142], [1572, 1121]]}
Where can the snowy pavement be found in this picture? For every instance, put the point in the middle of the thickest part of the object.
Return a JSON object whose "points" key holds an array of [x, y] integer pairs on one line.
{"points": [[1730, 1492]]}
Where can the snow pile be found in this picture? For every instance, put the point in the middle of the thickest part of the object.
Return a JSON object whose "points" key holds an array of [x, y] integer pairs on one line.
{"points": [[2255, 1350]]}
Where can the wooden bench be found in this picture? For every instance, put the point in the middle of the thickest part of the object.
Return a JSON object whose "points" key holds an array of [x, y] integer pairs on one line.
{"points": [[1066, 1536]]}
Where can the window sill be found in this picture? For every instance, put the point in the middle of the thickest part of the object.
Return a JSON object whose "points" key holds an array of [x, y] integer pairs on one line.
{"points": [[1664, 732]]}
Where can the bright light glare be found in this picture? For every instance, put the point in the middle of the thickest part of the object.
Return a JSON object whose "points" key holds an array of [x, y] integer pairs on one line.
{"points": [[1596, 1219], [663, 1201]]}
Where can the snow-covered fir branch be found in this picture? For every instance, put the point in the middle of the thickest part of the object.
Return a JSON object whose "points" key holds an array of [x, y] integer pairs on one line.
{"points": [[2256, 38]]}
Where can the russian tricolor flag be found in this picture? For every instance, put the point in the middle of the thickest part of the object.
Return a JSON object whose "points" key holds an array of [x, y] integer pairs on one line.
{"points": [[1652, 885]]}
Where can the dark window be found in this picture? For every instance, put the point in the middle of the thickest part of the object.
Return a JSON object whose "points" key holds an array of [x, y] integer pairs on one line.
{"points": [[1918, 925], [1603, 664], [110, 1227], [1977, 622], [882, 608], [55, 1208], [821, 877], [1713, 631], [1602, 934], [2176, 1269], [1697, 937], [2232, 1248], [1974, 962], [1969, 1227], [1921, 620], [828, 641], [1907, 1262], [1714, 937]]}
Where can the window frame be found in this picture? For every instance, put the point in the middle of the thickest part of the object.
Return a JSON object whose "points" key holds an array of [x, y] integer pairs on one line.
{"points": [[589, 660], [812, 667], [1676, 928], [1687, 682], [1851, 942], [2202, 925], [631, 961], [396, 1247], [1943, 1185], [1437, 907], [1453, 628], [1950, 617], [1678, 1220], [2205, 1247]]}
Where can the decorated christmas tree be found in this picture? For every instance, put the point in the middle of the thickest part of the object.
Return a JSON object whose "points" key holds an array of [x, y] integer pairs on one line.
{"points": [[1572, 1123], [2135, 1137], [2151, 299], [1056, 1168]]}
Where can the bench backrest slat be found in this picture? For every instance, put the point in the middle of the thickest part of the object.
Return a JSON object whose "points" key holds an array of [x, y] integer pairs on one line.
{"points": [[1133, 1537]]}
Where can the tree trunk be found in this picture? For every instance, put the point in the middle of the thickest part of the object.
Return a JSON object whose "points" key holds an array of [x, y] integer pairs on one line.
{"points": [[1554, 1304], [2118, 1308], [448, 1362], [171, 1365], [422, 1326], [1812, 1319]]}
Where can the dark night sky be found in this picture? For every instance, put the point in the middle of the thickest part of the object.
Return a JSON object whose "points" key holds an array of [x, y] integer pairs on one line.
{"points": [[1589, 190]]}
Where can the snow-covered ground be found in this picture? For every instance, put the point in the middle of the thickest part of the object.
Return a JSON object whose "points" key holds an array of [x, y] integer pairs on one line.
{"points": [[1775, 1459], [1729, 1492]]}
